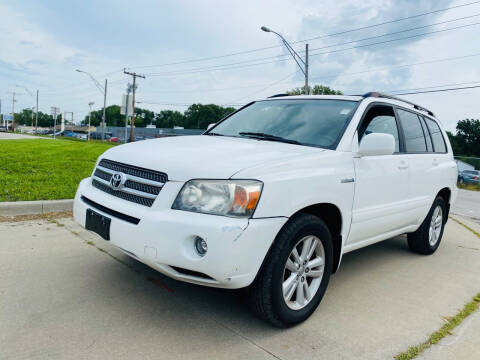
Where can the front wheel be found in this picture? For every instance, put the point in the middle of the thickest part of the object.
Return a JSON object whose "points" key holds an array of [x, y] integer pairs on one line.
{"points": [[426, 239], [295, 274]]}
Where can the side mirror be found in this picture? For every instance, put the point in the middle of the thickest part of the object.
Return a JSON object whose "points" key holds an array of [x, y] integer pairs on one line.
{"points": [[377, 144], [211, 125]]}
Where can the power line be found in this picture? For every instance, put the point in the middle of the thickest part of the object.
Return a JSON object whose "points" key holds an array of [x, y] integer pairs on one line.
{"points": [[265, 88], [282, 59], [432, 87], [440, 90], [398, 39], [173, 104], [309, 39]]}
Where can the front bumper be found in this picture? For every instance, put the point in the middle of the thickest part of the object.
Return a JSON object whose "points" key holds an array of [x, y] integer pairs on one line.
{"points": [[164, 238]]}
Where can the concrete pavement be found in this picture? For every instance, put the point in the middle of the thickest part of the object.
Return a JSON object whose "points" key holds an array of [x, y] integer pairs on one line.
{"points": [[468, 205], [63, 298]]}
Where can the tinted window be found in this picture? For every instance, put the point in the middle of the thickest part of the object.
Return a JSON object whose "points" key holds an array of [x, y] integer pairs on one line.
{"points": [[413, 132], [437, 137], [427, 135], [471, 172], [310, 122], [380, 119]]}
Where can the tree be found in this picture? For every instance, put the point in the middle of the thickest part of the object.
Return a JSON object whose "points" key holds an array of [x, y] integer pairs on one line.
{"points": [[198, 116], [169, 119], [25, 118], [316, 90], [114, 118], [467, 138]]}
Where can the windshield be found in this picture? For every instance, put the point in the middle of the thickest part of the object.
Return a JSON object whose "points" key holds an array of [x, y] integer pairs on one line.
{"points": [[306, 122]]}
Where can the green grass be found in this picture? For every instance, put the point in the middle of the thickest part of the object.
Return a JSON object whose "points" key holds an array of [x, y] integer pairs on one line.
{"points": [[472, 187], [451, 323], [45, 169]]}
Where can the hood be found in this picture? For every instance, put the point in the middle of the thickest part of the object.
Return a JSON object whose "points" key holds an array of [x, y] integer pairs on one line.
{"points": [[201, 156]]}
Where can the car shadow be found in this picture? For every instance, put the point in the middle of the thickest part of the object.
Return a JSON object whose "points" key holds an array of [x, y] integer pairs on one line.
{"points": [[228, 308]]}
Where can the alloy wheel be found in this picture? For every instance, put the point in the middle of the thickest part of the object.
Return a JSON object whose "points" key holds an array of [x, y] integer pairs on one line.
{"points": [[303, 272], [435, 226]]}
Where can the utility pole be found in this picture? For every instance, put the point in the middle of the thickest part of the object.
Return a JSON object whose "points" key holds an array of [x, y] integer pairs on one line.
{"points": [[127, 98], [104, 106], [89, 118], [36, 116], [307, 89], [132, 124], [13, 108]]}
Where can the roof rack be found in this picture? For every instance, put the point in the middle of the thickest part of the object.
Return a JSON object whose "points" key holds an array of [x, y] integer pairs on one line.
{"points": [[278, 95], [380, 95]]}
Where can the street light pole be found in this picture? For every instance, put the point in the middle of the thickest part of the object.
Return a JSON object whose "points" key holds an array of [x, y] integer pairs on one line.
{"points": [[36, 116], [302, 64], [103, 90], [33, 97], [89, 118]]}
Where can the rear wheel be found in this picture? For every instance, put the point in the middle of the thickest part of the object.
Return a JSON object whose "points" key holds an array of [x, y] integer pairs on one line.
{"points": [[426, 239], [296, 272]]}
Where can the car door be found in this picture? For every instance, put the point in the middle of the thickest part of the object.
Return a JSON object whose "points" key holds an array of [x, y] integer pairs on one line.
{"points": [[381, 183], [422, 159]]}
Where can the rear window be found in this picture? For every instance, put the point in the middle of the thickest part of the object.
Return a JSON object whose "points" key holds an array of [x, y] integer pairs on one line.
{"points": [[471, 172], [437, 137]]}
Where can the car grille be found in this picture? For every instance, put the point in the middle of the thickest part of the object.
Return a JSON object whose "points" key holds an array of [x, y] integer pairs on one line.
{"points": [[141, 185]]}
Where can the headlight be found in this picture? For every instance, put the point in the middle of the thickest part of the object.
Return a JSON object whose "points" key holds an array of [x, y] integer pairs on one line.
{"points": [[237, 198]]}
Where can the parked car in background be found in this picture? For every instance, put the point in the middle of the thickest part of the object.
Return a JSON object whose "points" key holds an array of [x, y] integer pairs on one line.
{"points": [[469, 177], [272, 196], [98, 135], [69, 134], [113, 139]]}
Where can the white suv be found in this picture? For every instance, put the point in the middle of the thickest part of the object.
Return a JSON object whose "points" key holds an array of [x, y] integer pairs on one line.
{"points": [[272, 196]]}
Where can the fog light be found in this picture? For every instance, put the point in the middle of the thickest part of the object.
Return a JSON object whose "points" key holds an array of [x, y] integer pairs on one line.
{"points": [[201, 246]]}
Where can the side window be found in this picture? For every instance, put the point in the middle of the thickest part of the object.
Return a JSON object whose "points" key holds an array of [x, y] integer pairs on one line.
{"points": [[437, 137], [380, 119], [427, 135], [413, 132]]}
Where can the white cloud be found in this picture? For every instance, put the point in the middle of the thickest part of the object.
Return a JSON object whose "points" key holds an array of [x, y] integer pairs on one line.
{"points": [[41, 54]]}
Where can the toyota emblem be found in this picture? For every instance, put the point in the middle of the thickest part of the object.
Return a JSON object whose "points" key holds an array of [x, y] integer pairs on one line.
{"points": [[117, 180]]}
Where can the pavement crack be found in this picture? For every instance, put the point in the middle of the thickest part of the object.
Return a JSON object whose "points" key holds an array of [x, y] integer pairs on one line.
{"points": [[248, 339]]}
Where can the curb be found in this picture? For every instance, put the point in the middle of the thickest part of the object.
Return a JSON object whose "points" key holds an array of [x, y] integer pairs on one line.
{"points": [[15, 208]]}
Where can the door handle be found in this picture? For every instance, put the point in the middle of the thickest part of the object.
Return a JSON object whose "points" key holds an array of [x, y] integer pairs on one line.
{"points": [[435, 162], [403, 165]]}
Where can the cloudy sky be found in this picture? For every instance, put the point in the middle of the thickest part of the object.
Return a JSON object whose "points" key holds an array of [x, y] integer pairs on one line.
{"points": [[185, 50]]}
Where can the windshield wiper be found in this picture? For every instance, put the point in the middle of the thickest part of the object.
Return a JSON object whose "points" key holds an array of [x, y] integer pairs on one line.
{"points": [[263, 136], [214, 134]]}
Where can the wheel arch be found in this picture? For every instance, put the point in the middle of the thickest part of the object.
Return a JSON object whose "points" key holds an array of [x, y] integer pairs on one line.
{"points": [[446, 194], [331, 215]]}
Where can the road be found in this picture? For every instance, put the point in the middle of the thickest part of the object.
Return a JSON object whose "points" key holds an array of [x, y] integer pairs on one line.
{"points": [[14, 136], [63, 298], [468, 205]]}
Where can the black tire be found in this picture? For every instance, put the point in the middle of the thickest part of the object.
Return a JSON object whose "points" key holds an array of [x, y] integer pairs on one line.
{"points": [[419, 241], [265, 295]]}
